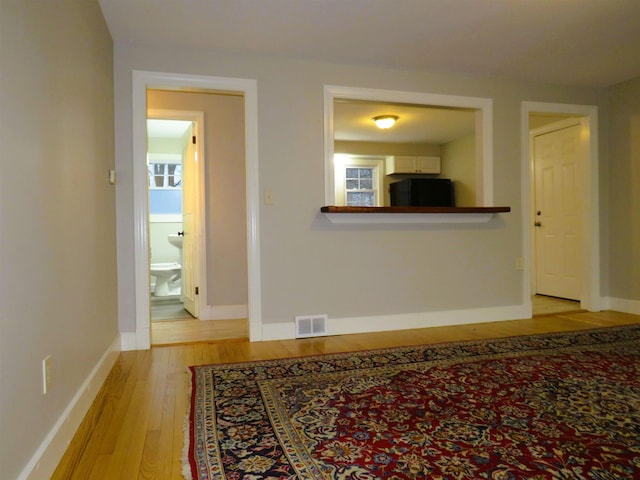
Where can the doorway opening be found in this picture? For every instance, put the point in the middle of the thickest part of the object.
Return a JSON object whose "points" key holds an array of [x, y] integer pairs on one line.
{"points": [[197, 207], [173, 163], [143, 82], [562, 228]]}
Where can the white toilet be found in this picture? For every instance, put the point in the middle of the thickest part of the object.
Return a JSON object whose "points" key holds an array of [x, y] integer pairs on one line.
{"points": [[164, 273]]}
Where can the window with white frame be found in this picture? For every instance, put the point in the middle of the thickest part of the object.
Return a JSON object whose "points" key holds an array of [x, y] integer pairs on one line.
{"points": [[165, 175], [165, 186], [358, 181], [359, 189]]}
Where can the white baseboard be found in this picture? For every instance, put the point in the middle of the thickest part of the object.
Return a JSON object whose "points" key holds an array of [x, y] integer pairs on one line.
{"points": [[143, 338], [383, 323], [138, 340], [48, 455], [223, 312], [128, 341], [621, 305]]}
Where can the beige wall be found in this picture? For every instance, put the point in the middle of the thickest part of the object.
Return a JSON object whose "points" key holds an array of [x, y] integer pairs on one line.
{"points": [[309, 265], [459, 164], [161, 250], [624, 194], [57, 213], [225, 196], [386, 148]]}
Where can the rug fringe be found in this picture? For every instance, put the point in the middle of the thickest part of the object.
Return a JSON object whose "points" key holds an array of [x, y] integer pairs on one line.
{"points": [[186, 465]]}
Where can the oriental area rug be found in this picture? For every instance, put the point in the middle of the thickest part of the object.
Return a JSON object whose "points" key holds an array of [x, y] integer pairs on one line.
{"points": [[553, 406]]}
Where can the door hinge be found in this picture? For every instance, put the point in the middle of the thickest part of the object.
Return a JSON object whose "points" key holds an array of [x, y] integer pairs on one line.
{"points": [[197, 290], [193, 139]]}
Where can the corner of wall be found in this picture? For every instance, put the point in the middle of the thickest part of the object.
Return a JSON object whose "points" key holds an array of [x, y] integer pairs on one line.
{"points": [[138, 340]]}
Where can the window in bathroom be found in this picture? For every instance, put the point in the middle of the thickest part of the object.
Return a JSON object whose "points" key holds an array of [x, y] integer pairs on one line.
{"points": [[165, 175], [165, 184]]}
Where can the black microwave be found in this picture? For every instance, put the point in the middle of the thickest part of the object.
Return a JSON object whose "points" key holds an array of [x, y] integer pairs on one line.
{"points": [[422, 192]]}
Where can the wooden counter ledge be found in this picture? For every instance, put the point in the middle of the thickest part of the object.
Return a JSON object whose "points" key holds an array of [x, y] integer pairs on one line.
{"points": [[334, 209]]}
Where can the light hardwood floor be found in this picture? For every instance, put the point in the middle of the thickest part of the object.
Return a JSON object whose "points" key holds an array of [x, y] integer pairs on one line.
{"points": [[134, 428], [545, 305], [193, 330]]}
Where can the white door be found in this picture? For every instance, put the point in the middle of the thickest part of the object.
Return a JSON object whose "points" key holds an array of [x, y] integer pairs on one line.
{"points": [[189, 210], [557, 215]]}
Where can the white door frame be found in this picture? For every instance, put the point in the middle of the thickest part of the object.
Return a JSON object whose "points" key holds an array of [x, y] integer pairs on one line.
{"points": [[200, 257], [590, 298], [143, 80]]}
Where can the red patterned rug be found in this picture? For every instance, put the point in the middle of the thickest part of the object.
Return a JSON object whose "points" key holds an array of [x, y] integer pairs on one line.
{"points": [[556, 406]]}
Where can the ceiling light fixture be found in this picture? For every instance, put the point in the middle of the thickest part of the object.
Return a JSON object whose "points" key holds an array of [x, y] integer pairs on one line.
{"points": [[385, 121]]}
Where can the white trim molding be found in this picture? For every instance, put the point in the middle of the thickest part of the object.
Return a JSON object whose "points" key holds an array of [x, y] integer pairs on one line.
{"points": [[623, 305], [48, 455], [484, 127], [135, 340], [590, 298], [142, 80], [403, 321]]}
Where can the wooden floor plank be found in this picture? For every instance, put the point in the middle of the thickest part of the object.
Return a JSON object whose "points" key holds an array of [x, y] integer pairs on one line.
{"points": [[134, 430], [127, 456], [193, 330]]}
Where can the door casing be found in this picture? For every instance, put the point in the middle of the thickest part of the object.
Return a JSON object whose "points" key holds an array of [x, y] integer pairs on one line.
{"points": [[590, 298], [141, 81]]}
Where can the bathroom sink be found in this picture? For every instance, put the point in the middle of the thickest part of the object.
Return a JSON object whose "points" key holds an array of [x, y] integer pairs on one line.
{"points": [[175, 240]]}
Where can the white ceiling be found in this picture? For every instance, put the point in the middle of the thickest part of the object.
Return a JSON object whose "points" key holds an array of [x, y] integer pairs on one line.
{"points": [[573, 42], [164, 128], [353, 121]]}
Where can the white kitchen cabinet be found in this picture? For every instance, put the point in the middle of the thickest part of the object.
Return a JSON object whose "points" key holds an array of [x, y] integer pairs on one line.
{"points": [[412, 165]]}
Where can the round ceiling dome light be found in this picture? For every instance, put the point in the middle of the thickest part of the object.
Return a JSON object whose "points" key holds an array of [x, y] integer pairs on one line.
{"points": [[385, 121]]}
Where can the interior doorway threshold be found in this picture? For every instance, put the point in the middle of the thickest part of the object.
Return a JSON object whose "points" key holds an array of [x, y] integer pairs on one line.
{"points": [[546, 305]]}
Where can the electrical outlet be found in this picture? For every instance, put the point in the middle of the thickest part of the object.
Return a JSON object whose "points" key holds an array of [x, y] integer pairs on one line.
{"points": [[46, 374], [519, 263]]}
